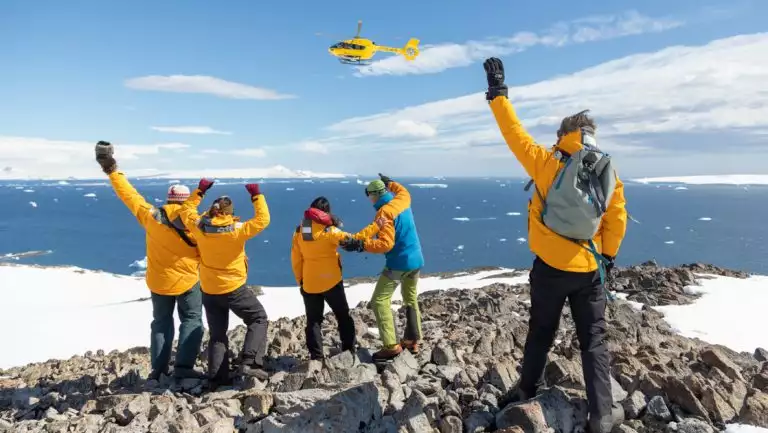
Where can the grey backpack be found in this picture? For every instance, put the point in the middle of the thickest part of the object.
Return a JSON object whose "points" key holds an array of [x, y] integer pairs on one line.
{"points": [[580, 193]]}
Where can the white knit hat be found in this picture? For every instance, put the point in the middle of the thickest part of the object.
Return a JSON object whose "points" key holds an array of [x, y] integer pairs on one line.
{"points": [[178, 193]]}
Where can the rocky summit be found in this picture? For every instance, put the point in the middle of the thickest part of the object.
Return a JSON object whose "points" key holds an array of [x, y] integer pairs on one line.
{"points": [[457, 383]]}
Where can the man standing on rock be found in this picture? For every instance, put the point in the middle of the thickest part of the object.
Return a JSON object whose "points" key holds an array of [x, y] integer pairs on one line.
{"points": [[172, 278], [399, 241], [577, 221]]}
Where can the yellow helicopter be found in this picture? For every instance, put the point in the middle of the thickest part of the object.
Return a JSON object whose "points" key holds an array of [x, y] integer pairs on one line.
{"points": [[359, 51]]}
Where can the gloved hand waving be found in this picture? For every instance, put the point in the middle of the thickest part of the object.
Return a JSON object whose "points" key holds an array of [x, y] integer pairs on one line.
{"points": [[386, 179], [204, 185], [253, 189], [104, 152], [494, 71]]}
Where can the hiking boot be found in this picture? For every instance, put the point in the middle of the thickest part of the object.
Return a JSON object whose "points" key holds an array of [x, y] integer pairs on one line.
{"points": [[515, 395], [388, 353], [156, 374], [188, 373], [254, 371], [411, 345]]}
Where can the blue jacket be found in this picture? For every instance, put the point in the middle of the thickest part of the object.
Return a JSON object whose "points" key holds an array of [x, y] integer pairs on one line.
{"points": [[406, 254]]}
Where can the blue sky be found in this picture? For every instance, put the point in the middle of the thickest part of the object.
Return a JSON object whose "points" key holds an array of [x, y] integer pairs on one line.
{"points": [[76, 72]]}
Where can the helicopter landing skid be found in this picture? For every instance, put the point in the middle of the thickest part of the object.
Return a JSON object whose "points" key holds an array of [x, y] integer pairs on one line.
{"points": [[355, 61]]}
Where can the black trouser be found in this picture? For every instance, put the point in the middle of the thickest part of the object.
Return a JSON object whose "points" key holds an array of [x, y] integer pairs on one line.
{"points": [[244, 303], [314, 303], [549, 289]]}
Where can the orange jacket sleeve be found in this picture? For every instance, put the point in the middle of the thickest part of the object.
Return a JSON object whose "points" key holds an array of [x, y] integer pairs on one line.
{"points": [[384, 242], [614, 224], [260, 219], [297, 260], [188, 212], [532, 156], [131, 198]]}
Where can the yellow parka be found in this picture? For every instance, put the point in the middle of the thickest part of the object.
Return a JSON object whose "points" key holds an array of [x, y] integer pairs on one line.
{"points": [[221, 241], [542, 166], [314, 257], [171, 263]]}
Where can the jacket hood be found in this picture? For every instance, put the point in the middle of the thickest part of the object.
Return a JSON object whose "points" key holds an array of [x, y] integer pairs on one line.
{"points": [[571, 143], [172, 210], [318, 216], [384, 199]]}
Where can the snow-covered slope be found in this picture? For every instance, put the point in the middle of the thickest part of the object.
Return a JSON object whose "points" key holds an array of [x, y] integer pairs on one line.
{"points": [[728, 179], [57, 312]]}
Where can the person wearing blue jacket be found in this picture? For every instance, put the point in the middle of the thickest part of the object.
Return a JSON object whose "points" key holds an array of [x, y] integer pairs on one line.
{"points": [[398, 239]]}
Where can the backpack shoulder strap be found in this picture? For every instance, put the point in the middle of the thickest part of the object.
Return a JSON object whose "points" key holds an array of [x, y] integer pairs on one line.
{"points": [[167, 222]]}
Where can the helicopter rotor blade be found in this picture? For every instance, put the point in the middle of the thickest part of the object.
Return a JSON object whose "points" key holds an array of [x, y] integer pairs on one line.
{"points": [[359, 26]]}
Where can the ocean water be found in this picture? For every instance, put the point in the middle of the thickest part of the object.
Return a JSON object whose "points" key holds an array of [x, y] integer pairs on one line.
{"points": [[462, 223]]}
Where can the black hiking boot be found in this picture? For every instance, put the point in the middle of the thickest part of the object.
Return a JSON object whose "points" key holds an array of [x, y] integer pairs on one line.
{"points": [[188, 373]]}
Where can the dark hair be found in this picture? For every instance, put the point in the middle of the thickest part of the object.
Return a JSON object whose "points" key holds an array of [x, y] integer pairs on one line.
{"points": [[221, 206], [321, 203], [575, 122]]}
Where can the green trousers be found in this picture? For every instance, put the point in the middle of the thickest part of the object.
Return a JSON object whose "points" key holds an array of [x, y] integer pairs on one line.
{"points": [[381, 302]]}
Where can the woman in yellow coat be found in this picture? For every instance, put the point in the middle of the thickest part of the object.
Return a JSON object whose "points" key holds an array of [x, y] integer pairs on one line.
{"points": [[171, 277], [221, 239]]}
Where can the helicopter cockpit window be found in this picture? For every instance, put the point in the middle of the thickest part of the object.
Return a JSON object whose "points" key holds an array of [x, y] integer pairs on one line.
{"points": [[346, 46]]}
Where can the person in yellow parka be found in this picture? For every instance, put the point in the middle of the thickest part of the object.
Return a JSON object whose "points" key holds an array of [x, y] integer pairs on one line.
{"points": [[172, 278], [317, 267], [221, 239], [566, 266]]}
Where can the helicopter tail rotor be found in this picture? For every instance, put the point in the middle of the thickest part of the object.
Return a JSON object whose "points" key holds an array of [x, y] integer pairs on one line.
{"points": [[411, 49]]}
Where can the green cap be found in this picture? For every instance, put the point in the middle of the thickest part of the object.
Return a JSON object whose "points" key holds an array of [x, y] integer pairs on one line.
{"points": [[376, 187]]}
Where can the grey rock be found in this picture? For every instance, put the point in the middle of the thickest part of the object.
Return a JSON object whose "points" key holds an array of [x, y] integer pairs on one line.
{"points": [[349, 410], [634, 405], [224, 425], [449, 372], [287, 402], [761, 354], [553, 408], [451, 406], [207, 415], [451, 424], [128, 408], [443, 354], [404, 365], [489, 399], [412, 415], [619, 394], [342, 361], [503, 375], [478, 422], [256, 405], [427, 385], [658, 409], [715, 357], [292, 382], [623, 428], [693, 425]]}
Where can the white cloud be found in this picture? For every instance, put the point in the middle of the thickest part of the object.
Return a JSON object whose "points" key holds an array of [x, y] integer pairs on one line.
{"points": [[211, 151], [645, 101], [256, 152], [411, 128], [203, 84], [190, 130], [313, 147], [41, 157], [437, 58]]}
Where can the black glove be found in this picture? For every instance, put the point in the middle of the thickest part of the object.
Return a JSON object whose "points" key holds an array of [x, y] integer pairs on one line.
{"points": [[494, 71], [104, 152], [352, 245], [386, 179], [610, 264]]}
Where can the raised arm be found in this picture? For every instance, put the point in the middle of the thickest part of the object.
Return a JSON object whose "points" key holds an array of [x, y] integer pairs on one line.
{"points": [[188, 213], [124, 190], [532, 156], [134, 201], [261, 217], [384, 242], [297, 260], [614, 224]]}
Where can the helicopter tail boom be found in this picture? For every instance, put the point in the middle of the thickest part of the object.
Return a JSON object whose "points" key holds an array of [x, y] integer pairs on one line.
{"points": [[409, 51]]}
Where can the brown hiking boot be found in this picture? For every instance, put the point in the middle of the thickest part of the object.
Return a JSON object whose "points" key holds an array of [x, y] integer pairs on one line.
{"points": [[411, 345], [388, 352]]}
